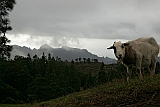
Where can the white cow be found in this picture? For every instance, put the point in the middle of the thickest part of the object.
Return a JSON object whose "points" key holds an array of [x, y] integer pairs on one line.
{"points": [[142, 52]]}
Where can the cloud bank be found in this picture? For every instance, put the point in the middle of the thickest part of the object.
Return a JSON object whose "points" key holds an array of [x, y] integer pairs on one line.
{"points": [[65, 22]]}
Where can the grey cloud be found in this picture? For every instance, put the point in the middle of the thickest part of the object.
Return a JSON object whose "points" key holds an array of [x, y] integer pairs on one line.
{"points": [[104, 19], [58, 42]]}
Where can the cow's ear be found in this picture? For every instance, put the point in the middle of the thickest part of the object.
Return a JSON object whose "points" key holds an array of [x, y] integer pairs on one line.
{"points": [[111, 47], [125, 44]]}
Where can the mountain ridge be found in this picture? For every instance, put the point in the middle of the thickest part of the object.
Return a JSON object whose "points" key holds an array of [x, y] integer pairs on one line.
{"points": [[65, 53]]}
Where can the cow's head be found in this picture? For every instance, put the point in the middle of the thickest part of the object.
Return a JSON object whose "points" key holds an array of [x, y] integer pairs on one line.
{"points": [[119, 50]]}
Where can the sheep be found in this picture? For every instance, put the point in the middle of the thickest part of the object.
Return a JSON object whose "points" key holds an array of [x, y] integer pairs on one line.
{"points": [[142, 52]]}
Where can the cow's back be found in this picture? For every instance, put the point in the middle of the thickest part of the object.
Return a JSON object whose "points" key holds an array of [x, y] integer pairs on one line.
{"points": [[148, 48], [144, 45], [150, 40]]}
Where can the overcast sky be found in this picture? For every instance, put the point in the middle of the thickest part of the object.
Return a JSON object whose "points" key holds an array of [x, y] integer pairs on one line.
{"points": [[90, 24]]}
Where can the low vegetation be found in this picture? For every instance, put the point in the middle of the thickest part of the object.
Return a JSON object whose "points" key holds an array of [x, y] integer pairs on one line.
{"points": [[135, 93]]}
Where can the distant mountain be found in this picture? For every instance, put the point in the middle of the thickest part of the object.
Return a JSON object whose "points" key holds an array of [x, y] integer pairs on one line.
{"points": [[45, 46], [65, 53]]}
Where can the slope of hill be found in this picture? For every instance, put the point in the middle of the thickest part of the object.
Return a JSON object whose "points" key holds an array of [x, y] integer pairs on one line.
{"points": [[65, 53], [137, 92], [141, 93]]}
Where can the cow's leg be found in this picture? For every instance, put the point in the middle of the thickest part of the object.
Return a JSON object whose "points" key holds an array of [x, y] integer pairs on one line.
{"points": [[152, 71], [153, 67], [142, 70], [129, 72], [138, 64], [140, 73]]}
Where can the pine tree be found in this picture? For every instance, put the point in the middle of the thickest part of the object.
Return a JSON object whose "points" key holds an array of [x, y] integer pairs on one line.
{"points": [[5, 7], [102, 75]]}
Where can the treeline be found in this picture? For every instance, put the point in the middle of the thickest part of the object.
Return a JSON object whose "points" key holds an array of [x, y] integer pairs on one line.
{"points": [[26, 79], [86, 60]]}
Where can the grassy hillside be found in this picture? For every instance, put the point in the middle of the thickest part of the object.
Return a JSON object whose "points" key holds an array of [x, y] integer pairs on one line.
{"points": [[137, 92], [144, 92], [19, 105]]}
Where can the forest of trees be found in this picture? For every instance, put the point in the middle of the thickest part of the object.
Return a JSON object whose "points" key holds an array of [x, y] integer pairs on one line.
{"points": [[25, 80]]}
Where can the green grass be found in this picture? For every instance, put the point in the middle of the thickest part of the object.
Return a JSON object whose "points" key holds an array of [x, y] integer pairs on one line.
{"points": [[19, 105], [137, 92]]}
